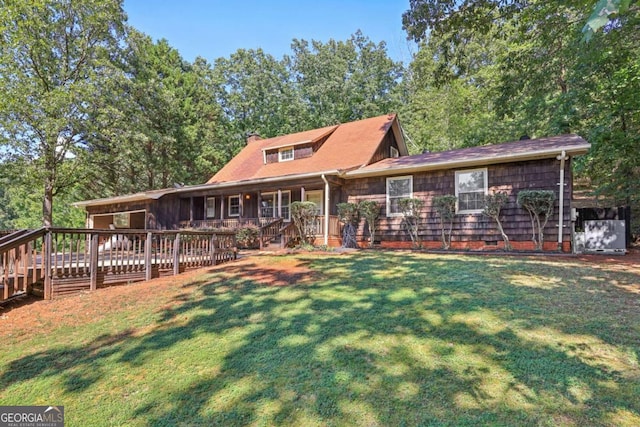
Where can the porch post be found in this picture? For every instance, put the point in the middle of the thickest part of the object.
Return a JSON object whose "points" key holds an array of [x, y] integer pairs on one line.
{"points": [[326, 209], [190, 211], [302, 194], [222, 208], [241, 207], [259, 206], [279, 203]]}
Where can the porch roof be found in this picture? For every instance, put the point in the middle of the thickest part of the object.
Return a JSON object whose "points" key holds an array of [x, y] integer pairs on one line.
{"points": [[514, 151]]}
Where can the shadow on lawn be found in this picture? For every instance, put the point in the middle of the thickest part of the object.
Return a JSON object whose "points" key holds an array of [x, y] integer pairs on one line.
{"points": [[389, 338]]}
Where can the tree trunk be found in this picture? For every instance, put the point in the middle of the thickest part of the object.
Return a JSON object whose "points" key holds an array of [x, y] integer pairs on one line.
{"points": [[47, 203]]}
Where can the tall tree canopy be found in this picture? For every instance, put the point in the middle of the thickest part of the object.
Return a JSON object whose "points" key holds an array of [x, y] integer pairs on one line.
{"points": [[53, 56], [541, 77], [163, 119]]}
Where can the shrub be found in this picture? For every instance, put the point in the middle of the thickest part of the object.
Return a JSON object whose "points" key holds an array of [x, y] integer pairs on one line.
{"points": [[539, 204], [248, 237], [411, 209], [493, 204], [350, 217], [370, 210], [304, 216], [445, 206]]}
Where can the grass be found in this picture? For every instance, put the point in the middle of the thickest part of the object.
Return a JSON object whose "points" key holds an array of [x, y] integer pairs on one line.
{"points": [[373, 338]]}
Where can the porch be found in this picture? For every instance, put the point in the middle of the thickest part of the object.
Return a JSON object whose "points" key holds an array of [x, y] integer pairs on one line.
{"points": [[271, 230]]}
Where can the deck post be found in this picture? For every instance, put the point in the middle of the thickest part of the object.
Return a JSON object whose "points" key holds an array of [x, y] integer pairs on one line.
{"points": [[148, 267], [212, 250], [176, 255], [46, 253], [93, 262]]}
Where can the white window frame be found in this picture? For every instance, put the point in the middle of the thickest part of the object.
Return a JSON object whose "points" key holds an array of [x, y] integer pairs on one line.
{"points": [[285, 158], [316, 193], [393, 151], [273, 196], [213, 207], [485, 189], [230, 206], [410, 195]]}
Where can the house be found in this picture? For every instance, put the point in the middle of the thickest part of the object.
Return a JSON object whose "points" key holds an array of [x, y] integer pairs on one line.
{"points": [[365, 159]]}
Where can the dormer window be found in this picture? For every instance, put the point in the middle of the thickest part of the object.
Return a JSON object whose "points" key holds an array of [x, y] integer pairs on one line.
{"points": [[285, 154]]}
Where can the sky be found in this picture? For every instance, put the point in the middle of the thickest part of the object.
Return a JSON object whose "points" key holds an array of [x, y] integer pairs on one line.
{"points": [[217, 28]]}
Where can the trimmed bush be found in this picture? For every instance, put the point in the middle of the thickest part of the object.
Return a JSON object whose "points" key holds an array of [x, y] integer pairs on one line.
{"points": [[539, 204], [304, 216], [248, 237], [445, 206], [493, 204], [411, 210], [370, 210], [350, 217]]}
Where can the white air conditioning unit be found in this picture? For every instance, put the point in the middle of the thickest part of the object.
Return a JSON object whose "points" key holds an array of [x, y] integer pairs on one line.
{"points": [[606, 236]]}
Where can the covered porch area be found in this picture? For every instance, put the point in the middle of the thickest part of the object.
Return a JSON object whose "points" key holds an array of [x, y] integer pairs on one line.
{"points": [[266, 205]]}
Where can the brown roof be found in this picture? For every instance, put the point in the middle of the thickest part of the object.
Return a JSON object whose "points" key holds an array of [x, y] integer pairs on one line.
{"points": [[529, 149], [348, 146]]}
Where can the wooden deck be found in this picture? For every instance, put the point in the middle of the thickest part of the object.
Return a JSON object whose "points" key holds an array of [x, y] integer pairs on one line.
{"points": [[65, 261]]}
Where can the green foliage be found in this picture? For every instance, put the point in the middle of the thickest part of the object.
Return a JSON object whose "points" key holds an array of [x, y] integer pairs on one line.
{"points": [[603, 13], [342, 81], [411, 211], [539, 204], [445, 206], [493, 205], [370, 211], [248, 237], [490, 71], [304, 216], [55, 58], [348, 213]]}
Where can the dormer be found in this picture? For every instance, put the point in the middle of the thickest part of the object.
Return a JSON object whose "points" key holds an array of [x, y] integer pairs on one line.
{"points": [[290, 151]]}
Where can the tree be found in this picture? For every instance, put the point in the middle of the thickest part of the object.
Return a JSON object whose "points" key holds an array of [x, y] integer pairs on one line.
{"points": [[342, 81], [304, 216], [539, 204], [256, 95], [411, 210], [350, 217], [534, 75], [370, 211], [604, 12], [53, 56], [493, 204], [445, 206]]}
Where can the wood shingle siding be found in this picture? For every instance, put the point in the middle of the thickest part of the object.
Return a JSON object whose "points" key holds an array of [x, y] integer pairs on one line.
{"points": [[476, 227]]}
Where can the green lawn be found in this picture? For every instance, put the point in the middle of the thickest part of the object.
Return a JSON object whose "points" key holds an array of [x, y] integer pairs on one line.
{"points": [[368, 338]]}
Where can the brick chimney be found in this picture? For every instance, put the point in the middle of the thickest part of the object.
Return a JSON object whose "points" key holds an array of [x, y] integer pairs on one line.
{"points": [[252, 136]]}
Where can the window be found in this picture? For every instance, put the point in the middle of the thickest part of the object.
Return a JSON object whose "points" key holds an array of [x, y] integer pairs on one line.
{"points": [[269, 205], [315, 197], [285, 154], [211, 207], [471, 187], [400, 187], [234, 205], [394, 152], [284, 209]]}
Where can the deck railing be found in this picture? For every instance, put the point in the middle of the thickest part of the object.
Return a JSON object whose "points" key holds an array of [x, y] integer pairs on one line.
{"points": [[231, 223], [66, 261]]}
